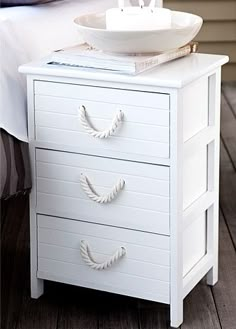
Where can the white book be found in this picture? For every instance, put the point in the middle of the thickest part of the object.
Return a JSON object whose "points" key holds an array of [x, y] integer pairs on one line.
{"points": [[85, 56]]}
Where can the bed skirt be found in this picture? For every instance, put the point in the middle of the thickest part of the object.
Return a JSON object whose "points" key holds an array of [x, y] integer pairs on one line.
{"points": [[15, 175]]}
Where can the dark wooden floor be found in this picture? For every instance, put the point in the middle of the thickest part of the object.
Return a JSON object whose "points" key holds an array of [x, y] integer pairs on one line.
{"points": [[68, 307]]}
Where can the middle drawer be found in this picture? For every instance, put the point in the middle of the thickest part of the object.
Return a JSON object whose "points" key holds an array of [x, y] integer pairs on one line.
{"points": [[102, 190]]}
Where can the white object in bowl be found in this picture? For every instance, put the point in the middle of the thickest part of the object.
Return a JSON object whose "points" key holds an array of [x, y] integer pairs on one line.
{"points": [[184, 27], [132, 18]]}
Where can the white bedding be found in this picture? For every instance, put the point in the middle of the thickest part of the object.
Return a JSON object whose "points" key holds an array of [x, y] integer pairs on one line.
{"points": [[28, 33]]}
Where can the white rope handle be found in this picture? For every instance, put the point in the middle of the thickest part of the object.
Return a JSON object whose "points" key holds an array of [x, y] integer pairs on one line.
{"points": [[100, 134], [89, 260], [88, 189]]}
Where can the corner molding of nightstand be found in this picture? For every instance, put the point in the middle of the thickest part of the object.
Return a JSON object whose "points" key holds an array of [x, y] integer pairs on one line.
{"points": [[197, 208], [204, 137]]}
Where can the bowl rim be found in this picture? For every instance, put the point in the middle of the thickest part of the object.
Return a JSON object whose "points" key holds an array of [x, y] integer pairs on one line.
{"points": [[199, 21]]}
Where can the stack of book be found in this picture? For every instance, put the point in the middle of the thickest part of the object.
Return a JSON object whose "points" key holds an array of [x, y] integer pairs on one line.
{"points": [[84, 56]]}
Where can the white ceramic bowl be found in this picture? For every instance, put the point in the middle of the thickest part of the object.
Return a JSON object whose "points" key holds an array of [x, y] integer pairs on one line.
{"points": [[184, 27]]}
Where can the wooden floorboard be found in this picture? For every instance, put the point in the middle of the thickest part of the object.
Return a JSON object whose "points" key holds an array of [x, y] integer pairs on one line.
{"points": [[228, 129], [41, 313], [228, 191], [224, 291], [78, 308], [117, 312], [3, 212], [229, 91], [228, 157], [68, 307], [200, 310], [153, 315], [15, 262]]}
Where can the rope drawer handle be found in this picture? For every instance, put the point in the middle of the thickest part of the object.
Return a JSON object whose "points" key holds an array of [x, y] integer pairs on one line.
{"points": [[100, 134], [89, 260], [106, 198]]}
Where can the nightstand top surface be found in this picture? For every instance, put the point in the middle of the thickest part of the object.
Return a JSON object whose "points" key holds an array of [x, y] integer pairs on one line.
{"points": [[175, 74]]}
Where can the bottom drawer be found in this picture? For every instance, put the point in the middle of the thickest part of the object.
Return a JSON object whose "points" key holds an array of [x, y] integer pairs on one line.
{"points": [[130, 262]]}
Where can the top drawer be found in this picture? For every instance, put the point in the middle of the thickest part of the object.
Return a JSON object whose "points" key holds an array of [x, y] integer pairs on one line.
{"points": [[136, 124]]}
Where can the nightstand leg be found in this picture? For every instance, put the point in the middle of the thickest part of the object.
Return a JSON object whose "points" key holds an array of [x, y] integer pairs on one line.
{"points": [[37, 287], [213, 237], [212, 275], [213, 175], [176, 314]]}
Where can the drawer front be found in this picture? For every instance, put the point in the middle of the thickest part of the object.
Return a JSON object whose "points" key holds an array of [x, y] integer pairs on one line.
{"points": [[142, 270], [101, 190], [141, 129]]}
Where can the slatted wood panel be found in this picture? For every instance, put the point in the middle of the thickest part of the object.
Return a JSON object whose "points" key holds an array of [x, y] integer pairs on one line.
{"points": [[229, 72], [210, 10], [89, 93], [143, 270], [229, 93], [218, 33], [228, 48], [224, 31], [57, 118], [59, 192], [69, 307]]}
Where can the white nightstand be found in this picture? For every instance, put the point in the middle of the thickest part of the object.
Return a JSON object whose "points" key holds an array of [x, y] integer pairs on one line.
{"points": [[125, 178]]}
